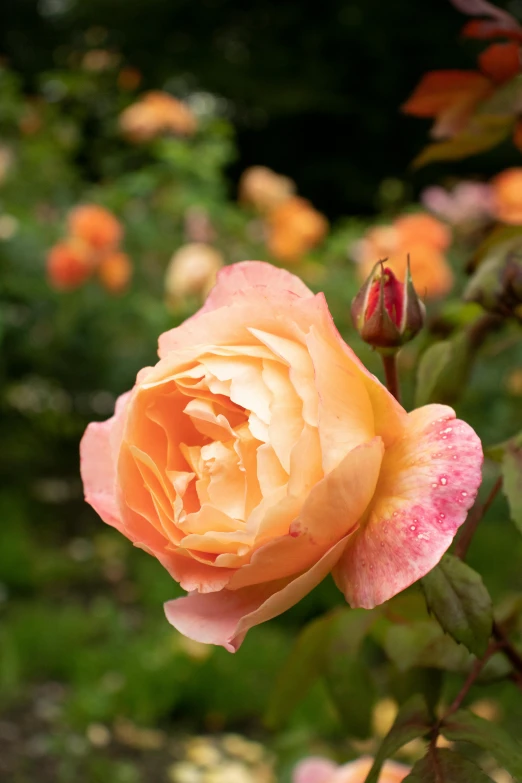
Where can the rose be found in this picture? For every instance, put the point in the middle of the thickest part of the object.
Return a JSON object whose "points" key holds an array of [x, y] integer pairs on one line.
{"points": [[321, 770], [258, 455]]}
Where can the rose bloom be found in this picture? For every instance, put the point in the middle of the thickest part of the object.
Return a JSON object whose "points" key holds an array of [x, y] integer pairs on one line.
{"points": [[321, 770], [507, 196], [422, 237], [156, 113], [263, 189], [294, 228], [95, 226], [115, 272], [192, 271], [258, 455], [68, 265]]}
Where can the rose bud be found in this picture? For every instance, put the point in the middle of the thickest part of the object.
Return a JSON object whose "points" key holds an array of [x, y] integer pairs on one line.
{"points": [[497, 283], [386, 312]]}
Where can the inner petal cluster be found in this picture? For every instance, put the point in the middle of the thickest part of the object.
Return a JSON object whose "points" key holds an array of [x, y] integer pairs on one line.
{"points": [[225, 448]]}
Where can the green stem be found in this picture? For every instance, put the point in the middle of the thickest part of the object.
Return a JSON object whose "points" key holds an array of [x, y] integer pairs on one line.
{"points": [[392, 377], [471, 524]]}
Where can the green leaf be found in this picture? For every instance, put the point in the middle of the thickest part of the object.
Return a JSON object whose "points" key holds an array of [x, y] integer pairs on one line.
{"points": [[329, 648], [302, 668], [425, 644], [466, 727], [444, 766], [456, 595], [426, 681], [482, 133], [512, 475], [506, 100], [443, 371], [348, 676], [411, 722]]}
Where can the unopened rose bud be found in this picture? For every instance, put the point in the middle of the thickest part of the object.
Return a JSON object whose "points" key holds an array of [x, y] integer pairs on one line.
{"points": [[386, 312]]}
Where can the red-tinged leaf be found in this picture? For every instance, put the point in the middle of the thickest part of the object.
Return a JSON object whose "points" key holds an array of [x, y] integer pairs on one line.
{"points": [[504, 101], [444, 766], [501, 61], [439, 90], [485, 30], [463, 726], [483, 133]]}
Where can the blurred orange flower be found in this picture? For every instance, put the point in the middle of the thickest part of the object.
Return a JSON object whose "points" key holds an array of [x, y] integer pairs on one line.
{"points": [[192, 272], [263, 189], [507, 195], [115, 272], [156, 113], [95, 225], [294, 228], [424, 238], [68, 265], [92, 245]]}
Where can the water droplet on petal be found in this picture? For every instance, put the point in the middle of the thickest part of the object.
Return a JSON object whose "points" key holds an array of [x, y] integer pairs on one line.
{"points": [[412, 527], [443, 480], [464, 494]]}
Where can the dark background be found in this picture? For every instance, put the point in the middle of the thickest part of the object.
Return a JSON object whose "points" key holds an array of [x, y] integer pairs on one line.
{"points": [[314, 90]]}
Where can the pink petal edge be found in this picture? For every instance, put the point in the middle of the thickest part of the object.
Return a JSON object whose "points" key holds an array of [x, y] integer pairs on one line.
{"points": [[429, 480], [224, 618]]}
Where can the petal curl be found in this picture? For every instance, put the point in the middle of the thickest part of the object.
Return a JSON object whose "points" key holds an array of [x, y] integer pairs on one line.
{"points": [[99, 448], [224, 617], [331, 512], [429, 480], [233, 279]]}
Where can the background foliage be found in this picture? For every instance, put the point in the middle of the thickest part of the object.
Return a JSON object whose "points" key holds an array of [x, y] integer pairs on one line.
{"points": [[84, 646]]}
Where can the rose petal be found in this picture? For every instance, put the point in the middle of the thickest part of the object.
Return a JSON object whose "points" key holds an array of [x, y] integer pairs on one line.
{"points": [[224, 617], [331, 511], [429, 480], [314, 770], [243, 276], [98, 456]]}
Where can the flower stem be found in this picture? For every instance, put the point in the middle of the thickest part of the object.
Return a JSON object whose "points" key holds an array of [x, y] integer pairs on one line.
{"points": [[392, 377], [471, 524]]}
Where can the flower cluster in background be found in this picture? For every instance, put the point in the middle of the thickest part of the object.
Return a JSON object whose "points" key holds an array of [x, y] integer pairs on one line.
{"points": [[91, 247], [292, 225]]}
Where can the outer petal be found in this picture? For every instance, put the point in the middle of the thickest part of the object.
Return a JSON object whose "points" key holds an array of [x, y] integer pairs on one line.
{"points": [[252, 274], [224, 618], [99, 449], [250, 284], [428, 481], [314, 770], [330, 513]]}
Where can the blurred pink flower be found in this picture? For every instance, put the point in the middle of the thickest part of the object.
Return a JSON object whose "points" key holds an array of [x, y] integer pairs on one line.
{"points": [[320, 770], [468, 204]]}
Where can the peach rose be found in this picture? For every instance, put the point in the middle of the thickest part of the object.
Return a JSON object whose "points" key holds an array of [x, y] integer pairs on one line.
{"points": [[294, 228], [95, 226], [155, 113], [424, 238], [263, 189], [320, 770], [115, 272], [507, 196], [68, 265], [258, 455]]}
